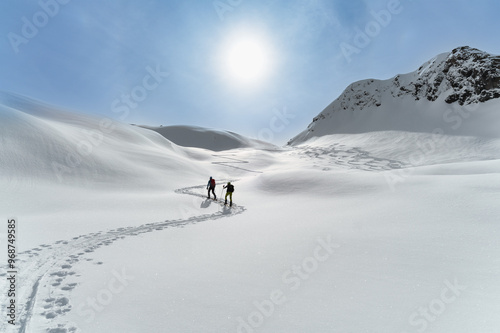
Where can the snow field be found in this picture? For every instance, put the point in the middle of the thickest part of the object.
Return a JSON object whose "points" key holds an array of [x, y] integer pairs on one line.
{"points": [[321, 237], [222, 275]]}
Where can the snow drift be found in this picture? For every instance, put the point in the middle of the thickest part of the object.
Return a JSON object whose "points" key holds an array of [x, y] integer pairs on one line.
{"points": [[43, 143], [211, 139]]}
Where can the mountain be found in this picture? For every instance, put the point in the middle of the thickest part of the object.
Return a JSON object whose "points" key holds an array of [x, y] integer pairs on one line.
{"points": [[454, 93], [211, 139]]}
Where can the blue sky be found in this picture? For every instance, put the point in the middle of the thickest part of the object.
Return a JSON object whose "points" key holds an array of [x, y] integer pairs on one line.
{"points": [[164, 62]]}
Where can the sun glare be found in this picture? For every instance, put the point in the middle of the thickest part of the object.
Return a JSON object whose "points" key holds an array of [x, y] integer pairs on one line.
{"points": [[247, 59]]}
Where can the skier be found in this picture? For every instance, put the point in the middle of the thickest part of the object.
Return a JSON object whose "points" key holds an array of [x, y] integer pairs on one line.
{"points": [[211, 187], [229, 192]]}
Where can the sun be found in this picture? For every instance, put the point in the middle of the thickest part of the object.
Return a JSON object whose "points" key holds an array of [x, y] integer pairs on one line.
{"points": [[247, 59]]}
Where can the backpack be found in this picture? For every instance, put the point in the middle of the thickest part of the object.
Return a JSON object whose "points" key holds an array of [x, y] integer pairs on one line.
{"points": [[230, 188], [212, 182]]}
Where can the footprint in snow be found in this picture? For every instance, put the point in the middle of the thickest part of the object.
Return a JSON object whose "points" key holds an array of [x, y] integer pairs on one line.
{"points": [[50, 315], [62, 301], [61, 329], [60, 274], [69, 287]]}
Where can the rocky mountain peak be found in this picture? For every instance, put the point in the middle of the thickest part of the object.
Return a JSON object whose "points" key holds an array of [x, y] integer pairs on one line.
{"points": [[474, 76], [463, 76], [466, 75]]}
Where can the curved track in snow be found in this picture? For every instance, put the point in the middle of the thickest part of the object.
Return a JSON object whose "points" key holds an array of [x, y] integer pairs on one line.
{"points": [[46, 276], [233, 161]]}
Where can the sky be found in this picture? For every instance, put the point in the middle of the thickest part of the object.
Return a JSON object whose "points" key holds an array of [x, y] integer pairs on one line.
{"points": [[263, 69]]}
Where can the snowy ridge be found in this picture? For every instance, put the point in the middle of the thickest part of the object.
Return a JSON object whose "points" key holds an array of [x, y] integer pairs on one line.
{"points": [[453, 84], [211, 139], [56, 146]]}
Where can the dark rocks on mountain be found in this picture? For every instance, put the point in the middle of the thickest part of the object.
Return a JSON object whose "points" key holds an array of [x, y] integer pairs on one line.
{"points": [[474, 76]]}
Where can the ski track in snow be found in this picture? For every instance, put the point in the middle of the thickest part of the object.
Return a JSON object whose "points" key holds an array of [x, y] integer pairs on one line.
{"points": [[350, 157], [233, 161], [46, 276]]}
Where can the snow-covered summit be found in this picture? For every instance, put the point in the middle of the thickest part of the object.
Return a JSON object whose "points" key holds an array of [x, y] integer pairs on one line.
{"points": [[466, 75], [421, 101]]}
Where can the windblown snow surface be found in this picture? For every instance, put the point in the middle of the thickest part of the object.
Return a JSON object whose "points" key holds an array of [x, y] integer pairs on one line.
{"points": [[389, 231], [215, 140]]}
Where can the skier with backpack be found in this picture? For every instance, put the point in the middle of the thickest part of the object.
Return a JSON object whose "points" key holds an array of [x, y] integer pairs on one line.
{"points": [[229, 192], [211, 187]]}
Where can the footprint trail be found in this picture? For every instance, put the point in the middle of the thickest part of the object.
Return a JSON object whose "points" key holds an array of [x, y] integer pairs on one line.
{"points": [[47, 276]]}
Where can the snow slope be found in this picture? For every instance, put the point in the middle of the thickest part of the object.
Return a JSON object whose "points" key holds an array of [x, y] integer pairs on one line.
{"points": [[388, 231], [216, 140], [62, 147]]}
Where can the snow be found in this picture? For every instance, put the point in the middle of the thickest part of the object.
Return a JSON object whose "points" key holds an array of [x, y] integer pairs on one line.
{"points": [[394, 230], [212, 139]]}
